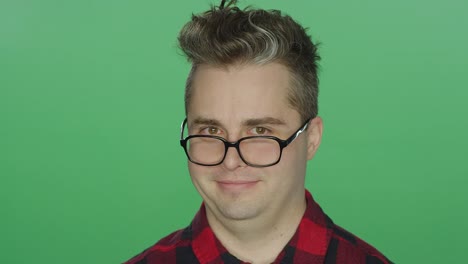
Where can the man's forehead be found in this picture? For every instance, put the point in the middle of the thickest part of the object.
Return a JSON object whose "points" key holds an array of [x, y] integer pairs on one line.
{"points": [[245, 96], [251, 86]]}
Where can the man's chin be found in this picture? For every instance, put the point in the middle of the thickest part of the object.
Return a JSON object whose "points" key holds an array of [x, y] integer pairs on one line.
{"points": [[239, 206]]}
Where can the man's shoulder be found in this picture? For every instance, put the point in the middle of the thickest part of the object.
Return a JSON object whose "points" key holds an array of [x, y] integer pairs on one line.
{"points": [[165, 250], [346, 247]]}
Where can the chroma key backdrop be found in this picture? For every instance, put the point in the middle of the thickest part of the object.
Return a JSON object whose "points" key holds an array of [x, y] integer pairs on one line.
{"points": [[91, 100]]}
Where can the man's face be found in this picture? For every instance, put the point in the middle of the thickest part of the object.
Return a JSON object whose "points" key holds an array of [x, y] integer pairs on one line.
{"points": [[240, 101]]}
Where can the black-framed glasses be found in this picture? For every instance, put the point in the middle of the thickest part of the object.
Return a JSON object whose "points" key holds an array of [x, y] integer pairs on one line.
{"points": [[255, 151]]}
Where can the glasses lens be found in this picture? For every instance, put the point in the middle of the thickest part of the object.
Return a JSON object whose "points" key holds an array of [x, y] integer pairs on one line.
{"points": [[260, 151], [205, 150]]}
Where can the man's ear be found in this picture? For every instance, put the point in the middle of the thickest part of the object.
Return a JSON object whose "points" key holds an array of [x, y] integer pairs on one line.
{"points": [[314, 136]]}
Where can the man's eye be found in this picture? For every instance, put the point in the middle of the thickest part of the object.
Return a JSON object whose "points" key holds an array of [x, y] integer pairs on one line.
{"points": [[210, 131], [213, 130], [260, 130]]}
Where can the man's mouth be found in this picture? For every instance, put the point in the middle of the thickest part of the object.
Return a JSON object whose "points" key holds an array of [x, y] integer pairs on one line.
{"points": [[236, 185]]}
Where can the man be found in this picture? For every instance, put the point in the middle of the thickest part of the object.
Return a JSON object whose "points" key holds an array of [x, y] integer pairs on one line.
{"points": [[251, 127]]}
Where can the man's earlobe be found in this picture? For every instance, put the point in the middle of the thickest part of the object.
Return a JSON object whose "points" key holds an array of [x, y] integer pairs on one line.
{"points": [[314, 136]]}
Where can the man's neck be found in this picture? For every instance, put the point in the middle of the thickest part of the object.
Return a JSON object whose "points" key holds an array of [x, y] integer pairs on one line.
{"points": [[259, 240]]}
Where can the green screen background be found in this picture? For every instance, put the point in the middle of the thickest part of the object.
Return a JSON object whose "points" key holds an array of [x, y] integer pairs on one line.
{"points": [[91, 99]]}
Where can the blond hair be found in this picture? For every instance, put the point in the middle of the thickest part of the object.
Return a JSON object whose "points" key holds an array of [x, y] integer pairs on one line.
{"points": [[227, 35]]}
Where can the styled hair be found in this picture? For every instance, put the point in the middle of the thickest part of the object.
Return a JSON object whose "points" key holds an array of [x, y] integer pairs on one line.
{"points": [[227, 35]]}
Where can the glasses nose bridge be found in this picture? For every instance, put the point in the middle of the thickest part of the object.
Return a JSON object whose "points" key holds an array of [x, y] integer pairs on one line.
{"points": [[228, 144], [235, 158], [235, 145]]}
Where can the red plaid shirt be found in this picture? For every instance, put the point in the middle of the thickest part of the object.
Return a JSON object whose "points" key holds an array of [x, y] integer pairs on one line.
{"points": [[317, 240]]}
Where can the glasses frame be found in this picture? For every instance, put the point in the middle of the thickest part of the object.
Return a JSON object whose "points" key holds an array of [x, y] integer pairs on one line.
{"points": [[227, 144]]}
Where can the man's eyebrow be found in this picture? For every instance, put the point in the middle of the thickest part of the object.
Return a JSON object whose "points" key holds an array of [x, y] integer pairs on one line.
{"points": [[247, 123], [205, 121], [263, 121]]}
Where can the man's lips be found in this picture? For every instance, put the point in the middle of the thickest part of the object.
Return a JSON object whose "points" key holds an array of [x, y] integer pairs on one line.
{"points": [[237, 184], [236, 181]]}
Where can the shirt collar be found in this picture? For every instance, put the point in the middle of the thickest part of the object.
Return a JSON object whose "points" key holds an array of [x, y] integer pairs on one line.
{"points": [[312, 235]]}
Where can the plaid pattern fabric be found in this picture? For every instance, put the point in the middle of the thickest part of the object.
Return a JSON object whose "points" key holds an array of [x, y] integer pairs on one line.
{"points": [[317, 240]]}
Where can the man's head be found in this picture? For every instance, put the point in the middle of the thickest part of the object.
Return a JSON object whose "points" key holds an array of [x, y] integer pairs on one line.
{"points": [[225, 36], [254, 74]]}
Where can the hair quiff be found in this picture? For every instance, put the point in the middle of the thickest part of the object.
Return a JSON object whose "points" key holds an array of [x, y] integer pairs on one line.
{"points": [[227, 35]]}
